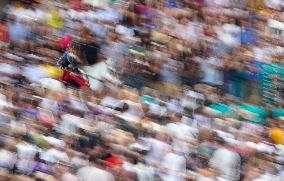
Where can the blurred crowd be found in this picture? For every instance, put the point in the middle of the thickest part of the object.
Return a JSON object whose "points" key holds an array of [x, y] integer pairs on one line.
{"points": [[179, 90]]}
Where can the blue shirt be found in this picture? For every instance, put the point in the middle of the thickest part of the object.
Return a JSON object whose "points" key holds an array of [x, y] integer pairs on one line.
{"points": [[253, 75], [19, 31], [248, 36], [171, 4], [170, 76]]}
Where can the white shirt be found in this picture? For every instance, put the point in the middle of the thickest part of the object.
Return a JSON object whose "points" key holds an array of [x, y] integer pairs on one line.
{"points": [[26, 151], [157, 109], [262, 54], [182, 131], [109, 101], [69, 124], [98, 29], [30, 71], [95, 3], [31, 14], [134, 112], [157, 151], [99, 72], [203, 178], [53, 156], [52, 84], [109, 14], [18, 125], [124, 31], [188, 102], [174, 166], [49, 105], [91, 173], [265, 148], [224, 3], [39, 14], [274, 4], [8, 69], [228, 137], [69, 177], [144, 172], [267, 177], [54, 141], [174, 106], [201, 121], [281, 175], [3, 102], [114, 51], [79, 162], [212, 75], [190, 32], [128, 167], [19, 13], [232, 29], [227, 163], [78, 105], [181, 134], [228, 34], [7, 158]]}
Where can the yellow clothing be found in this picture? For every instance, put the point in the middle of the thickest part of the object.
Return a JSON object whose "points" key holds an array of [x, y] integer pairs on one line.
{"points": [[256, 5], [52, 71], [277, 135], [56, 21]]}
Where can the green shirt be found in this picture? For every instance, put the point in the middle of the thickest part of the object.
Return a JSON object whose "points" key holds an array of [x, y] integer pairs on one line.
{"points": [[224, 109], [276, 113], [260, 114], [267, 83], [148, 99]]}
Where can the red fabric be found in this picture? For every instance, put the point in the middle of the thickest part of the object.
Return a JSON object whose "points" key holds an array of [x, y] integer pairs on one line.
{"points": [[80, 7], [113, 161], [75, 1], [209, 32], [4, 33], [47, 120], [245, 152], [24, 105], [142, 9], [77, 5], [65, 41], [200, 2], [69, 77]]}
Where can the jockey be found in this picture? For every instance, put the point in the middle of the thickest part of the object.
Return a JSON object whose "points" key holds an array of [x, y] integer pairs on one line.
{"points": [[70, 62]]}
